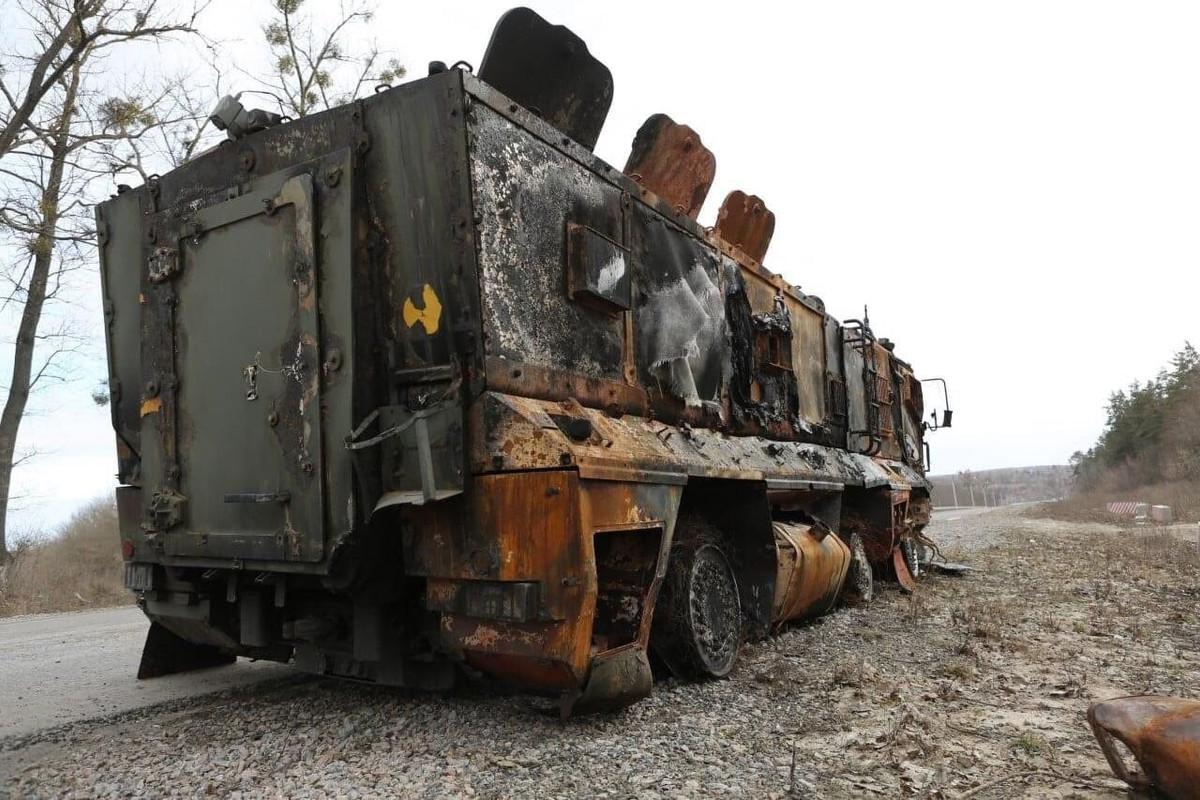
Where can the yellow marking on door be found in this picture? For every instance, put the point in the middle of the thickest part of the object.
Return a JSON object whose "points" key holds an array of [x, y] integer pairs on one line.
{"points": [[151, 405], [429, 315]]}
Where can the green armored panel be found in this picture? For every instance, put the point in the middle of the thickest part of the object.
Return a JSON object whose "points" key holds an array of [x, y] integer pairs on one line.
{"points": [[417, 216], [244, 367], [119, 231], [267, 299]]}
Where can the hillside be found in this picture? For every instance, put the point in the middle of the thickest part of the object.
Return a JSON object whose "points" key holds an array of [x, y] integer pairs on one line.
{"points": [[992, 487]]}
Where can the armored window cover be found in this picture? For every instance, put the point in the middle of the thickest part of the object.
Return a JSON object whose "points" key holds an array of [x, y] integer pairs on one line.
{"points": [[548, 69], [597, 270], [670, 160]]}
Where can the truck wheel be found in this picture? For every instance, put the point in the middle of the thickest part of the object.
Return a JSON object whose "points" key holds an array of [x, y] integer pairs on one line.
{"points": [[908, 548], [698, 618], [859, 588]]}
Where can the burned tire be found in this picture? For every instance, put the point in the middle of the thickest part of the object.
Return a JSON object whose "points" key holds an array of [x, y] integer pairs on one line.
{"points": [[698, 618], [859, 588], [908, 548], [924, 556]]}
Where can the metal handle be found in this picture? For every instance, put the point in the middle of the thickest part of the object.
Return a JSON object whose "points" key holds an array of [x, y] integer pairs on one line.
{"points": [[258, 497]]}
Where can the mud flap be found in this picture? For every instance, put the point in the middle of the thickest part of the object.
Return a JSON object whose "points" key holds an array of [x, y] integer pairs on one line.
{"points": [[903, 576], [166, 654], [616, 680]]}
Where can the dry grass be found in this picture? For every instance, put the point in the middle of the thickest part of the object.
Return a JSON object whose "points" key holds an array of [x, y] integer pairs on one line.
{"points": [[78, 568], [1089, 506], [986, 680]]}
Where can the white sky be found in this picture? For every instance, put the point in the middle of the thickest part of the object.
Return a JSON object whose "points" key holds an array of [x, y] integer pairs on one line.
{"points": [[1013, 187]]}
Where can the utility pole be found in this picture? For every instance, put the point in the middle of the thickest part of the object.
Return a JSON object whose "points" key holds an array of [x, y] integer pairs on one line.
{"points": [[954, 490]]}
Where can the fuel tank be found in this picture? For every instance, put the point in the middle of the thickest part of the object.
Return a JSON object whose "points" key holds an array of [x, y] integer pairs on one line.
{"points": [[811, 568]]}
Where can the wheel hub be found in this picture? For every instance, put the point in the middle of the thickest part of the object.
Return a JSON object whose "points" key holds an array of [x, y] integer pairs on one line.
{"points": [[714, 609]]}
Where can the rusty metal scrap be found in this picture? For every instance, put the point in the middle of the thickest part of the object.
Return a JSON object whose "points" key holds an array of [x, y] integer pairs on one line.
{"points": [[1162, 734], [745, 222], [669, 160]]}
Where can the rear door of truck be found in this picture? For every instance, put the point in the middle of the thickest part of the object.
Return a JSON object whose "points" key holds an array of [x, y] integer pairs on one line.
{"points": [[244, 367]]}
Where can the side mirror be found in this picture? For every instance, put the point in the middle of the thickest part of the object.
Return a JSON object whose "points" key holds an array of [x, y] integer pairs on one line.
{"points": [[947, 415]]}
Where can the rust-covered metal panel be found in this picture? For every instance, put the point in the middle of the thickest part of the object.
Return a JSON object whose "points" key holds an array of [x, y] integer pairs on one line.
{"points": [[745, 222], [669, 160], [521, 527], [811, 569], [808, 361], [524, 433], [547, 564]]}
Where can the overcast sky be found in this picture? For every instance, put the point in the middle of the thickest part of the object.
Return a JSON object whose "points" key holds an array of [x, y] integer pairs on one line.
{"points": [[1013, 188]]}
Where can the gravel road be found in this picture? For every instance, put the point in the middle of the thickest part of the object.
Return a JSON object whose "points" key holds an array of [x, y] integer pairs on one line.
{"points": [[963, 530], [315, 738]]}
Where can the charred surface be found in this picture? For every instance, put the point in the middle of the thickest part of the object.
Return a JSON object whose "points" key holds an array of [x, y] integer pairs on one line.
{"points": [[420, 382]]}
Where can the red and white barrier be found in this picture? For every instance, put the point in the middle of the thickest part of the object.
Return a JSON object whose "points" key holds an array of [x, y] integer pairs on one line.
{"points": [[1126, 508]]}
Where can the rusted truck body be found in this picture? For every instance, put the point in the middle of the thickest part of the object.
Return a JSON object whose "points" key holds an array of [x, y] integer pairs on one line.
{"points": [[420, 383]]}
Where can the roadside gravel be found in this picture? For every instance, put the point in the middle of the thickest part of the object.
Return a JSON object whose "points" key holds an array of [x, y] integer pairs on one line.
{"points": [[962, 531], [926, 695]]}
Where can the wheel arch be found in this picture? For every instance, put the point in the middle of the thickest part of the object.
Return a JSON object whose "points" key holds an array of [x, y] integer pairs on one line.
{"points": [[739, 514]]}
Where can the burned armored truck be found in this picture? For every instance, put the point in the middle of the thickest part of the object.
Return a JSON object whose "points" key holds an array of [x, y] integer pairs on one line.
{"points": [[419, 387]]}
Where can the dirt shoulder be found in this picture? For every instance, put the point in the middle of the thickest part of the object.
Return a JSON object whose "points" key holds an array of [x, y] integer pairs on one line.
{"points": [[975, 685]]}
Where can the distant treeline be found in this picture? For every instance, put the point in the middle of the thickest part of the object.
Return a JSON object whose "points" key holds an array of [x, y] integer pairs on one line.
{"points": [[1152, 434], [997, 487]]}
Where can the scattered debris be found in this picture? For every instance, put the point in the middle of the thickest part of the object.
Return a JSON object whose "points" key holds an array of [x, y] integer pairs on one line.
{"points": [[950, 568]]}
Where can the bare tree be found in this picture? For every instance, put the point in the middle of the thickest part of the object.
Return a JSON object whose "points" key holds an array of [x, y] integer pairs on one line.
{"points": [[33, 284], [49, 139], [140, 133], [312, 68], [65, 32]]}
